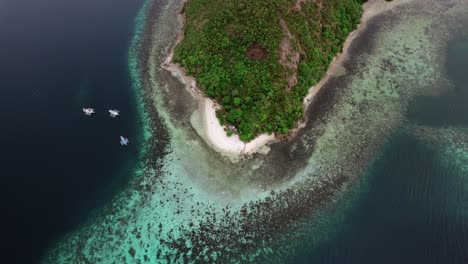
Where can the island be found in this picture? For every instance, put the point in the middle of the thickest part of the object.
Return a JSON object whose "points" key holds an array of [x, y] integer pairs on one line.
{"points": [[257, 61]]}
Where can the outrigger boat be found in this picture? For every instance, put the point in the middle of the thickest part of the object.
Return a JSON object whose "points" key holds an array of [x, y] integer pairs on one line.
{"points": [[114, 113], [124, 141], [88, 111]]}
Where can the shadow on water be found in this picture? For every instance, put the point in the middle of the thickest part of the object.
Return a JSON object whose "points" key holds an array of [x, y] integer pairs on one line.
{"points": [[413, 213]]}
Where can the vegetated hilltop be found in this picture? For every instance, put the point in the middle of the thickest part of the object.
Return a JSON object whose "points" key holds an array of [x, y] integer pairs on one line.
{"points": [[258, 58]]}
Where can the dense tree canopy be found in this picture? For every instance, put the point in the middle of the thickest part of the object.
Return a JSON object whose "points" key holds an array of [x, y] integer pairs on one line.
{"points": [[258, 59]]}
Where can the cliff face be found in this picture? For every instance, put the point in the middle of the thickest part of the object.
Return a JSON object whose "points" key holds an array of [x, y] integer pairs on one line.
{"points": [[258, 59]]}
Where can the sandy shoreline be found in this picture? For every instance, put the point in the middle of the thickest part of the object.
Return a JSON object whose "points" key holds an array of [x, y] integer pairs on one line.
{"points": [[371, 9], [204, 119]]}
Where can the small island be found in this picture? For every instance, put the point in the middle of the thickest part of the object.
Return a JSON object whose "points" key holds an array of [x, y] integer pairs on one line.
{"points": [[258, 59]]}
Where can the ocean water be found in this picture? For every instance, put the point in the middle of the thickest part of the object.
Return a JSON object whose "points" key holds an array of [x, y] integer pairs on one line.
{"points": [[57, 166], [190, 205], [415, 208], [414, 212]]}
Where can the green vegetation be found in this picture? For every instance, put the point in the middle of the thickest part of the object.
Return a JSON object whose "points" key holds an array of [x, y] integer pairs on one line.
{"points": [[258, 59]]}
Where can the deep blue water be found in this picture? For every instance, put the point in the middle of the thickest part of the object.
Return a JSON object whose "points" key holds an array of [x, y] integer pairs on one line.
{"points": [[415, 209], [57, 166], [414, 212]]}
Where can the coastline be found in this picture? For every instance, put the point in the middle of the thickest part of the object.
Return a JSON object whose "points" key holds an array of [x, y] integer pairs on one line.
{"points": [[204, 119], [371, 9]]}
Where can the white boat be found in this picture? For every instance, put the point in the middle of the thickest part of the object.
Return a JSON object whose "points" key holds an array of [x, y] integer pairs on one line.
{"points": [[114, 113], [124, 141], [88, 111]]}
